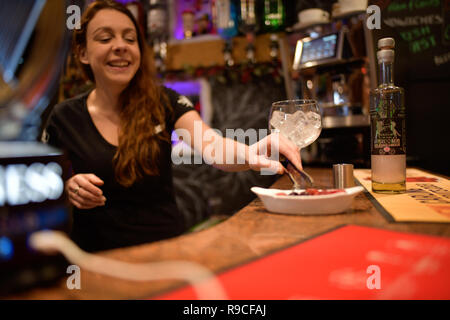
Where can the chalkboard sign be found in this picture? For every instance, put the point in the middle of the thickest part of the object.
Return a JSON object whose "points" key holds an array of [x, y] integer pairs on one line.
{"points": [[421, 29]]}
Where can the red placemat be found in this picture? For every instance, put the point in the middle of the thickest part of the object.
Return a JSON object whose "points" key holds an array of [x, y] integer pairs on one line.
{"points": [[351, 262]]}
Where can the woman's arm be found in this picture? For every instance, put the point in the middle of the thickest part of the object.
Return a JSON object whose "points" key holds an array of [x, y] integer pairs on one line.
{"points": [[230, 155]]}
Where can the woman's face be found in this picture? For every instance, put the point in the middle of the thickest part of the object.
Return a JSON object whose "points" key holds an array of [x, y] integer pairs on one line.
{"points": [[112, 48]]}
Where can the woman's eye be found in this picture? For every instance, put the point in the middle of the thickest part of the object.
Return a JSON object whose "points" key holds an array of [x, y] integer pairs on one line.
{"points": [[131, 40], [104, 40]]}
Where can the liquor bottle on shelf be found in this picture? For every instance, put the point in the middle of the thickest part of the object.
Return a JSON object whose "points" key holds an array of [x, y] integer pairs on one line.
{"points": [[248, 26], [247, 17], [273, 15], [388, 128], [226, 24], [226, 18], [188, 17], [158, 31], [157, 17]]}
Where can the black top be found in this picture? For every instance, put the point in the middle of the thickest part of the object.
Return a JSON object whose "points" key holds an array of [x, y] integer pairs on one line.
{"points": [[144, 212]]}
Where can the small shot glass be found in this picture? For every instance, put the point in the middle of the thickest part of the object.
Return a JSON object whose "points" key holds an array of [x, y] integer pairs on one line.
{"points": [[343, 176]]}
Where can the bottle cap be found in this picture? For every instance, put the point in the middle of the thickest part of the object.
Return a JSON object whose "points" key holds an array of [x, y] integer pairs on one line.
{"points": [[386, 43], [343, 175], [385, 55]]}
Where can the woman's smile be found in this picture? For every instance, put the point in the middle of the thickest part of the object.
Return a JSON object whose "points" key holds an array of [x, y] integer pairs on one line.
{"points": [[119, 65]]}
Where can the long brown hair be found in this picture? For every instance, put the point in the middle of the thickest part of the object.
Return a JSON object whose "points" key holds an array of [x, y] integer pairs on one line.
{"points": [[144, 106]]}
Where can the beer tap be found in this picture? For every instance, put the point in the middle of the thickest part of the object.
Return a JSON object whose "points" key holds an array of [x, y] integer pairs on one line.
{"points": [[274, 47]]}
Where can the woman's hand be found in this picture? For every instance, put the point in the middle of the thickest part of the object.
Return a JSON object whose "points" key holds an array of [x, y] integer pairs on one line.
{"points": [[83, 191], [265, 154]]}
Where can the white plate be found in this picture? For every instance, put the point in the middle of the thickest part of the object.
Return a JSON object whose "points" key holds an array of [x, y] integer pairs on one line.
{"points": [[311, 205]]}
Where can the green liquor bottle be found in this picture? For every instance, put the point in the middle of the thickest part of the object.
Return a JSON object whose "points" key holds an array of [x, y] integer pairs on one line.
{"points": [[273, 15]]}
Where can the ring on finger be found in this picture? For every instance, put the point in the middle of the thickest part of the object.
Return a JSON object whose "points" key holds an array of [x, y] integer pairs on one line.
{"points": [[77, 190]]}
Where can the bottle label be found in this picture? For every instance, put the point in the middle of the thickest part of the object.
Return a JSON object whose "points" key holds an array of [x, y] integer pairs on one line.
{"points": [[388, 136]]}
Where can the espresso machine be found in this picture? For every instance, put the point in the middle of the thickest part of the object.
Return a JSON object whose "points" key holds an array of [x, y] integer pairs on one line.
{"points": [[34, 44], [331, 65]]}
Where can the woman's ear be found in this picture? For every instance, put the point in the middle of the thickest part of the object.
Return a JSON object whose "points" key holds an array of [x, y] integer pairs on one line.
{"points": [[82, 55]]}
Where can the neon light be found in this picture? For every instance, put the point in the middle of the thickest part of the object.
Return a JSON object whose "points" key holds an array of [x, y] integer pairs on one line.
{"points": [[6, 248]]}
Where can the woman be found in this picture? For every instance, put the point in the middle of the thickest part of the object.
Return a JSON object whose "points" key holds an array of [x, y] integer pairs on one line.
{"points": [[117, 137]]}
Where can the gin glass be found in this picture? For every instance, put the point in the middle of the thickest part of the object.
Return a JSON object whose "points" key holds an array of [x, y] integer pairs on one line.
{"points": [[299, 121]]}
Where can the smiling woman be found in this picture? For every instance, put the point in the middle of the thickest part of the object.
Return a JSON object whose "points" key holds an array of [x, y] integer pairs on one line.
{"points": [[109, 135], [117, 137], [113, 54]]}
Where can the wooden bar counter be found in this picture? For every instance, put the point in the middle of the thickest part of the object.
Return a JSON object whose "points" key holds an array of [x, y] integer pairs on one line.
{"points": [[250, 233]]}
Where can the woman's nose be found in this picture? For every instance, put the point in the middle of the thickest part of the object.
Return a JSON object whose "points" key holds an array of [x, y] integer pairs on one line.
{"points": [[119, 45]]}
